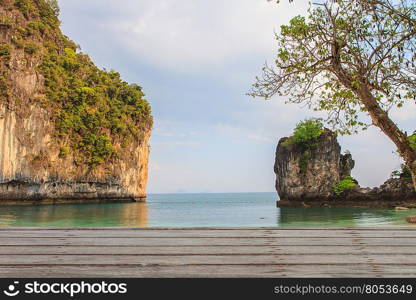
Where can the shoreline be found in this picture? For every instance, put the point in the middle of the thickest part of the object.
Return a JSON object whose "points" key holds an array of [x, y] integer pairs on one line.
{"points": [[376, 204], [51, 201], [58, 192]]}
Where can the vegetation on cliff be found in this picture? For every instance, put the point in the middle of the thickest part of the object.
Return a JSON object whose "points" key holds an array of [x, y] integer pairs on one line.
{"points": [[305, 136], [344, 185], [412, 140], [403, 173], [306, 133], [96, 114]]}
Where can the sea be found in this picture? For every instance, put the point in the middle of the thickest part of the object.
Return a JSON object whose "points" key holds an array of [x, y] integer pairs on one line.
{"points": [[198, 210]]}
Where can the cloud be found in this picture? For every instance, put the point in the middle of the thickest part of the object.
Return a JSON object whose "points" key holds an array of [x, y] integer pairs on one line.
{"points": [[239, 133], [196, 60], [172, 129], [188, 35], [169, 145]]}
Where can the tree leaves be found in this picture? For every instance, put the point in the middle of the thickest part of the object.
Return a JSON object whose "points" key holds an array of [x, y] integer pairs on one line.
{"points": [[345, 46]]}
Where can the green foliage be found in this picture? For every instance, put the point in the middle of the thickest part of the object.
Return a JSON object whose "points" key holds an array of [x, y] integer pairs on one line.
{"points": [[305, 136], [31, 48], [6, 21], [18, 42], [98, 147], [297, 27], [54, 5], [25, 6], [23, 32], [46, 10], [404, 173], [5, 52], [344, 185], [33, 27], [4, 92], [92, 107], [326, 58], [304, 161], [306, 133], [64, 151], [412, 140], [96, 114]]}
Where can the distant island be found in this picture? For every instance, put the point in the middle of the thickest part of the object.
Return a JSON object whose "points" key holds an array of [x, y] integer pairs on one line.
{"points": [[311, 171], [68, 130]]}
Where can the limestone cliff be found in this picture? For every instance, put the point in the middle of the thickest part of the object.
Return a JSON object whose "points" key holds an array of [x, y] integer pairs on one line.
{"points": [[306, 177], [308, 174], [68, 130]]}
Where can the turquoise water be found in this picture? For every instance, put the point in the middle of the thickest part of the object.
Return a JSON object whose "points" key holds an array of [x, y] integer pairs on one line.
{"points": [[197, 210]]}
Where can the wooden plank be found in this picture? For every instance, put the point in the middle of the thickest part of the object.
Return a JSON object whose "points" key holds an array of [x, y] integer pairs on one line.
{"points": [[230, 259], [157, 250], [205, 241], [205, 233], [407, 227], [171, 234], [213, 250], [209, 271], [205, 252], [192, 271], [351, 271], [144, 260]]}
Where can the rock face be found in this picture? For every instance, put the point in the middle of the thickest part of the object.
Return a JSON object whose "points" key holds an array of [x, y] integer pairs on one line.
{"points": [[306, 178], [32, 171], [33, 168], [310, 174], [392, 190]]}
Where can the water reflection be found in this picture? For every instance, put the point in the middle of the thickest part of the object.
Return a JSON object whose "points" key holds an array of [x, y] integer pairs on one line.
{"points": [[197, 210], [136, 216], [288, 216], [132, 215]]}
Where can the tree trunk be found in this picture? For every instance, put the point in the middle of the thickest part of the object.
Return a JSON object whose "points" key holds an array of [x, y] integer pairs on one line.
{"points": [[381, 119], [413, 172], [378, 116]]}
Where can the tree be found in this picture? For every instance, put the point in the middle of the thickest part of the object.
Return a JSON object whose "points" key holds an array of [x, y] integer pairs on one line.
{"points": [[349, 58]]}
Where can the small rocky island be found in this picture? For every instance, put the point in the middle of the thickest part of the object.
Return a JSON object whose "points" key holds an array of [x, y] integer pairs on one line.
{"points": [[69, 131], [311, 171]]}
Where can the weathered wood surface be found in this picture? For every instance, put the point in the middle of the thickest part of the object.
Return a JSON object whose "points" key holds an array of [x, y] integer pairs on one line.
{"points": [[208, 252]]}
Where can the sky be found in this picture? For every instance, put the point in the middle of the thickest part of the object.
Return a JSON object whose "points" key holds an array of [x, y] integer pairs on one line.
{"points": [[196, 60]]}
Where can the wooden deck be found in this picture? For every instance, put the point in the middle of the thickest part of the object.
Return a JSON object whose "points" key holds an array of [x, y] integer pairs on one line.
{"points": [[208, 252]]}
